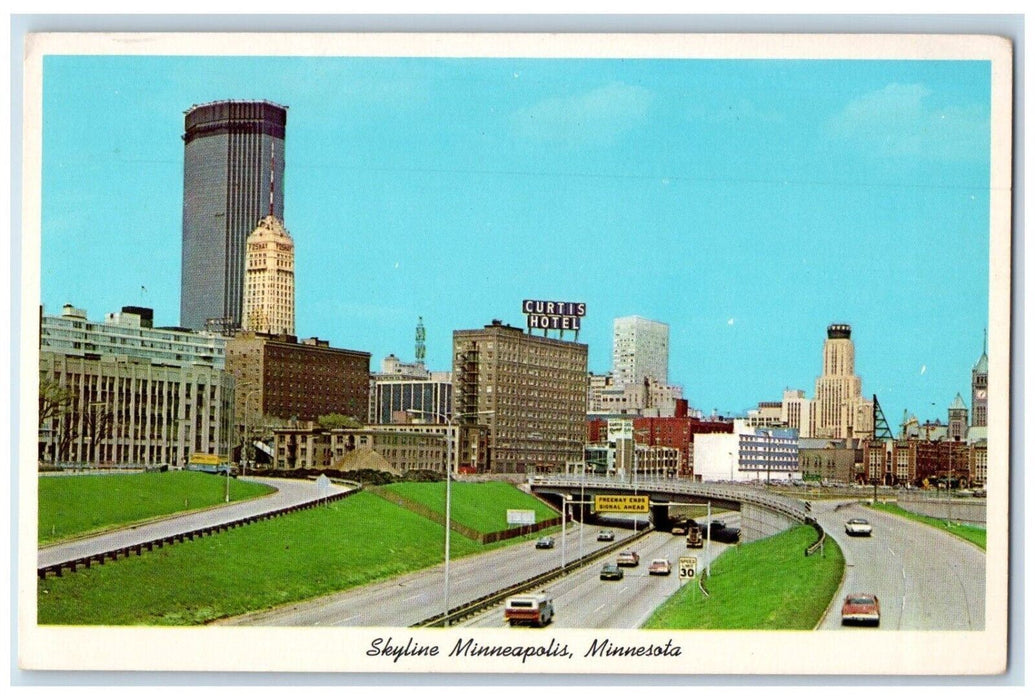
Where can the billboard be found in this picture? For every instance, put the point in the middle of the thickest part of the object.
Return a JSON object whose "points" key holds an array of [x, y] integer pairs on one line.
{"points": [[520, 517]]}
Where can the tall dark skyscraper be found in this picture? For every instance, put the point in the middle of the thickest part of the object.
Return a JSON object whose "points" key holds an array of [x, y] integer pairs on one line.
{"points": [[230, 148]]}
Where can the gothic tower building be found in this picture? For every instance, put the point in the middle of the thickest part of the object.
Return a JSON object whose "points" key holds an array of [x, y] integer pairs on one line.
{"points": [[979, 389]]}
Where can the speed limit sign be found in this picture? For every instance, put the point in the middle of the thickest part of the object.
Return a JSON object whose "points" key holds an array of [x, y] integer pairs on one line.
{"points": [[687, 568]]}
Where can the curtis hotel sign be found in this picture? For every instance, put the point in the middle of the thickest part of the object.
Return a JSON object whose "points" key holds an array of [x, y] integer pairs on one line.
{"points": [[553, 315]]}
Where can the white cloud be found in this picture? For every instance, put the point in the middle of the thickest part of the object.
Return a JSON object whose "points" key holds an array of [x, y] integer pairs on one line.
{"points": [[597, 117], [898, 120]]}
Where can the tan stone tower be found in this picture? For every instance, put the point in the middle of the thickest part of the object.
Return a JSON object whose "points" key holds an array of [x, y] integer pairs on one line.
{"points": [[839, 401], [269, 279]]}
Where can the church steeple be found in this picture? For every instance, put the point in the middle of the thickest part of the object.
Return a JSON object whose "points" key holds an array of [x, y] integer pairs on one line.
{"points": [[979, 386]]}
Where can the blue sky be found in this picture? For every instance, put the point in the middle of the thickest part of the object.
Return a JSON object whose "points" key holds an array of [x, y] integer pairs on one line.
{"points": [[746, 203]]}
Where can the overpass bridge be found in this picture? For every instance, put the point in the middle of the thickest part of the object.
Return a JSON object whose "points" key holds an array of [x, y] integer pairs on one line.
{"points": [[762, 513]]}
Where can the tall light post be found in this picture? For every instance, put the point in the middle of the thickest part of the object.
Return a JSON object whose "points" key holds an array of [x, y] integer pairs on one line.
{"points": [[449, 478]]}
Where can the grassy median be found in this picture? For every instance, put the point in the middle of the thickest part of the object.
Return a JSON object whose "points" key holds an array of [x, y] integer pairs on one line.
{"points": [[72, 506], [971, 533], [764, 585]]}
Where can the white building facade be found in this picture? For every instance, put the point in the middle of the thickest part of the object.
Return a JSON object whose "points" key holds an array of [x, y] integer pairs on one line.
{"points": [[747, 454], [640, 350]]}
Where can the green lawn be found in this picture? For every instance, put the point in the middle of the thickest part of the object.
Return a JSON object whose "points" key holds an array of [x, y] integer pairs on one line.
{"points": [[71, 506], [971, 533], [479, 506], [764, 585], [347, 543]]}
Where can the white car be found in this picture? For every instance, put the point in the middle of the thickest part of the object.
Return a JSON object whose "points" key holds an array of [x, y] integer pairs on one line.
{"points": [[858, 527]]}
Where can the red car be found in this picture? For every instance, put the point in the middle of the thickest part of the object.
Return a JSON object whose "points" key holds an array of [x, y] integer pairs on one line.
{"points": [[861, 609]]}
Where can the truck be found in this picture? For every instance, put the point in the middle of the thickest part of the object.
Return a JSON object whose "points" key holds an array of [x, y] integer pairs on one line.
{"points": [[534, 608], [693, 537]]}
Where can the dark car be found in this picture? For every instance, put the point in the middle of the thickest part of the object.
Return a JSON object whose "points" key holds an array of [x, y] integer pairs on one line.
{"points": [[611, 572], [605, 536], [726, 535], [544, 543]]}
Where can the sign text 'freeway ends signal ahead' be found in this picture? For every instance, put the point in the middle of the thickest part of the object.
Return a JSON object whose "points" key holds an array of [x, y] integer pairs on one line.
{"points": [[621, 504]]}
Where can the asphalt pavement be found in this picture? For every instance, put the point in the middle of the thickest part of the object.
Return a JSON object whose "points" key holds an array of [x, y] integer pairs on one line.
{"points": [[926, 579]]}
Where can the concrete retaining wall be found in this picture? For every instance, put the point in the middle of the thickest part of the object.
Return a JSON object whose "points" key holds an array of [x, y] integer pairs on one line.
{"points": [[964, 510], [757, 522]]}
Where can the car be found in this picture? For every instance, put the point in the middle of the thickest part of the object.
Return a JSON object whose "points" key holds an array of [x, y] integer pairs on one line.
{"points": [[544, 543], [611, 572], [858, 527], [628, 559], [715, 524], [660, 567], [535, 609], [861, 609], [606, 536]]}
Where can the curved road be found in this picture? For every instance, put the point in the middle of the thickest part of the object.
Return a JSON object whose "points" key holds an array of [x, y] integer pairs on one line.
{"points": [[926, 579], [289, 492], [408, 599]]}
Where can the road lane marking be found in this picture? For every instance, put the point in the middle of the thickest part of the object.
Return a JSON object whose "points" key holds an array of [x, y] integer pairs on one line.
{"points": [[419, 595], [892, 552], [600, 607]]}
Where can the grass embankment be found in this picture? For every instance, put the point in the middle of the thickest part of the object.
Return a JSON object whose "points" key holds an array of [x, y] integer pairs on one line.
{"points": [[73, 506], [764, 585], [310, 553], [306, 554], [479, 506], [971, 533]]}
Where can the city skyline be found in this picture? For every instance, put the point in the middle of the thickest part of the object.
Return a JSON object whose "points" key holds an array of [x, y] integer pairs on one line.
{"points": [[702, 194]]}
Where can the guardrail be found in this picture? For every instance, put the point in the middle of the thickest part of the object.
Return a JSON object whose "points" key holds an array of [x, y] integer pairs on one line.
{"points": [[486, 601], [113, 554], [780, 504]]}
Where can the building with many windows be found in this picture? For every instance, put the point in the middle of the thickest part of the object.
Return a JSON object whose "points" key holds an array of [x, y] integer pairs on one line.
{"points": [[747, 454], [284, 378], [640, 350], [529, 390], [841, 411], [129, 333], [269, 279], [403, 391], [103, 410], [233, 175]]}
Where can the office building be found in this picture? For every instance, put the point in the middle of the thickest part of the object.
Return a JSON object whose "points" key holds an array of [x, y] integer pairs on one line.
{"points": [[841, 411], [269, 279], [132, 411], [747, 454], [233, 164], [640, 351], [128, 333], [529, 390]]}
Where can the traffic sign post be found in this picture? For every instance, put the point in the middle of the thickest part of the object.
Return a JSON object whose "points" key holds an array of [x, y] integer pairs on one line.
{"points": [[687, 568]]}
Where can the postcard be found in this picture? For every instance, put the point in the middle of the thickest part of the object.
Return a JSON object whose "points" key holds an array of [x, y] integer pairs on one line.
{"points": [[663, 354]]}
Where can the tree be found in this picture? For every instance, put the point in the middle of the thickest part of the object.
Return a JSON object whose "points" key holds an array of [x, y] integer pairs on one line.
{"points": [[55, 399], [337, 420]]}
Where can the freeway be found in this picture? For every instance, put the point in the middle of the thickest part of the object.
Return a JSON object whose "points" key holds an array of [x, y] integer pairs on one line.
{"points": [[289, 492], [581, 600], [408, 599], [925, 579]]}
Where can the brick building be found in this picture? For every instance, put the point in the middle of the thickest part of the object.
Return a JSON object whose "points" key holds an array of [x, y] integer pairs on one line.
{"points": [[677, 432], [282, 377]]}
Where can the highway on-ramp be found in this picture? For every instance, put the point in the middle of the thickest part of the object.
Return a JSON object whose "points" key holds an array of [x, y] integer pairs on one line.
{"points": [[926, 579], [290, 492]]}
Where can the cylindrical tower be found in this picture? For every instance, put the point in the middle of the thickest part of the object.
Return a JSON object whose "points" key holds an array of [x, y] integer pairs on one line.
{"points": [[230, 148]]}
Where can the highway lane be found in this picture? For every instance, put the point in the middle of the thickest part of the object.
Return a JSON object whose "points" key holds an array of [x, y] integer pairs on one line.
{"points": [[583, 601], [410, 598], [289, 492], [926, 579]]}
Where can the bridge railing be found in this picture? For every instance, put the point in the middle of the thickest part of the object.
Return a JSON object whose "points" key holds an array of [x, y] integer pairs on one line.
{"points": [[765, 499]]}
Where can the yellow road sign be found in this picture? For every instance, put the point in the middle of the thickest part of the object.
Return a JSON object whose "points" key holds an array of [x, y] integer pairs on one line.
{"points": [[621, 504], [202, 458]]}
